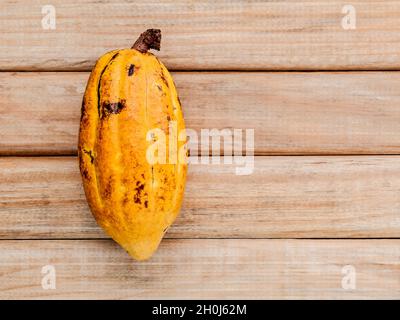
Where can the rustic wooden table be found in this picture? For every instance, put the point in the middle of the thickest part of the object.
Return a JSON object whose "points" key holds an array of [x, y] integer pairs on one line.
{"points": [[318, 218]]}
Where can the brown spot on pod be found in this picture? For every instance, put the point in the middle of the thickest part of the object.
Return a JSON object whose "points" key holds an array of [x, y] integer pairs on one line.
{"points": [[83, 108], [107, 190], [90, 154], [82, 168], [162, 76], [131, 70], [85, 174], [139, 188], [109, 108], [136, 198]]}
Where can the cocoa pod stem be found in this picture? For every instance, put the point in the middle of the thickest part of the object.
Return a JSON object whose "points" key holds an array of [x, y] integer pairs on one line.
{"points": [[150, 39]]}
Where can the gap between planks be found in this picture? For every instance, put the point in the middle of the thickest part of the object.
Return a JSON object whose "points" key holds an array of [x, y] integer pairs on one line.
{"points": [[200, 239], [61, 155], [394, 70]]}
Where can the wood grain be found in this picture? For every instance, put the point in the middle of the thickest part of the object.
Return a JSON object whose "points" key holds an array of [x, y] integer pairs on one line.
{"points": [[266, 235], [203, 269], [285, 197], [291, 113], [262, 35]]}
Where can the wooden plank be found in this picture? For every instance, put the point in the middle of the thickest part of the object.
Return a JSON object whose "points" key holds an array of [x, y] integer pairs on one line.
{"points": [[285, 197], [182, 269], [291, 113], [263, 35]]}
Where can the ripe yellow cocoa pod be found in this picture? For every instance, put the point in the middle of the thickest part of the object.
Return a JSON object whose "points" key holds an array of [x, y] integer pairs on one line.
{"points": [[130, 108]]}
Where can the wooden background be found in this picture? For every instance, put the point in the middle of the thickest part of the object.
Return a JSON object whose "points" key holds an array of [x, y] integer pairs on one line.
{"points": [[325, 193]]}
